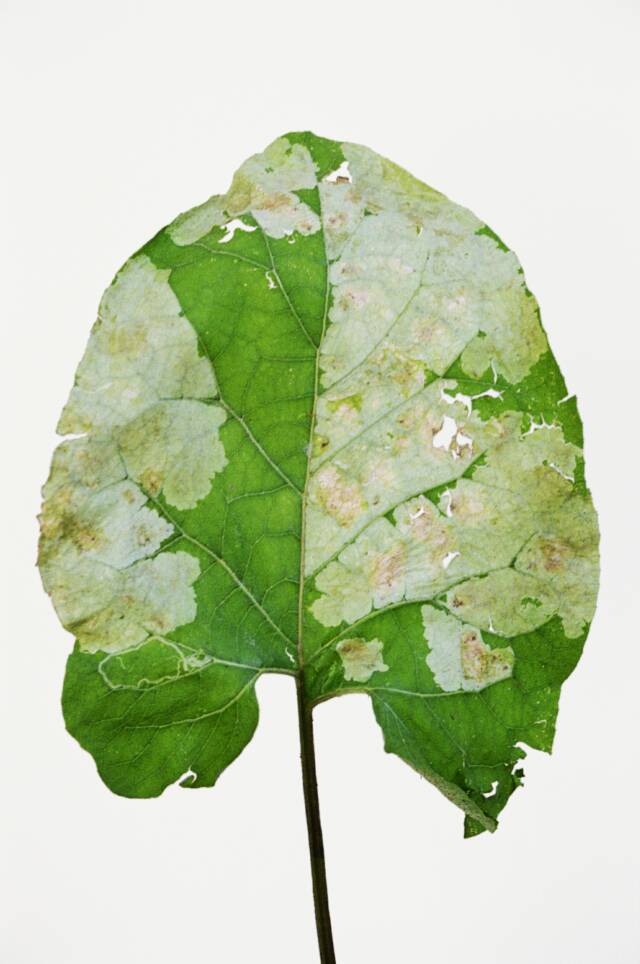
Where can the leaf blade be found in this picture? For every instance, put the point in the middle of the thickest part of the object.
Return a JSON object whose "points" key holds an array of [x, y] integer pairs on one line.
{"points": [[345, 412]]}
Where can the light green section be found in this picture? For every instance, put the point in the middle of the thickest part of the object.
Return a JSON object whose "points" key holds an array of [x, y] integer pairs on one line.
{"points": [[361, 658], [141, 350], [458, 656]]}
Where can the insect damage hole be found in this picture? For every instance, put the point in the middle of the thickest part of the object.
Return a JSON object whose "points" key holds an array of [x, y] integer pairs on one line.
{"points": [[341, 175], [451, 438], [187, 779], [232, 226], [444, 437], [468, 400]]}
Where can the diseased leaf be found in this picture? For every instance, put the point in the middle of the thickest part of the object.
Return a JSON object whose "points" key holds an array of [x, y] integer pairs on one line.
{"points": [[318, 430]]}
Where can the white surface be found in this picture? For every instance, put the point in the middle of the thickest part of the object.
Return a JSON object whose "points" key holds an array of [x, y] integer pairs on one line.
{"points": [[119, 115]]}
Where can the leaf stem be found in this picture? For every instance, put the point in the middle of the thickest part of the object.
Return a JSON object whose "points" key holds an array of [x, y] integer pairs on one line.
{"points": [[314, 827]]}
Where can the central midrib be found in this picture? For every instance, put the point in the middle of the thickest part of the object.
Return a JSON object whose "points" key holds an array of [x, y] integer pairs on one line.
{"points": [[303, 501]]}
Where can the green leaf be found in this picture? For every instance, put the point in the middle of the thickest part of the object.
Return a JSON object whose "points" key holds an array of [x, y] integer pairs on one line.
{"points": [[318, 430]]}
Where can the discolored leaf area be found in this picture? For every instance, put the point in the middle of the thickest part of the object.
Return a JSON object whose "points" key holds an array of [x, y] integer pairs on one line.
{"points": [[318, 431]]}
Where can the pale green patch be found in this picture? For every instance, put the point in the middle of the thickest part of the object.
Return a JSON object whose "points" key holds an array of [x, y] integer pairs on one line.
{"points": [[414, 288], [281, 168], [141, 379], [361, 658], [537, 468], [112, 526], [384, 565], [513, 512], [263, 187], [174, 448], [111, 610], [141, 350], [84, 464], [378, 273], [96, 530], [458, 656], [420, 279], [512, 337], [369, 573], [194, 224], [343, 209], [137, 395], [395, 379], [283, 215], [154, 596], [384, 186], [91, 512], [555, 570], [506, 602], [339, 497], [390, 455], [563, 556]]}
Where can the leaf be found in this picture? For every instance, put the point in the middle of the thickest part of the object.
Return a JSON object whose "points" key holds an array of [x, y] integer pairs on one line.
{"points": [[318, 430]]}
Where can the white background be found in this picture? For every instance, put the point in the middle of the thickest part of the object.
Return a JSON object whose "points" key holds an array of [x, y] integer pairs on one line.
{"points": [[116, 117]]}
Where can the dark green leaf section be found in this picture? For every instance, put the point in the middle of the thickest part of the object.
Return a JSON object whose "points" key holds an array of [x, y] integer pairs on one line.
{"points": [[261, 340], [146, 729], [260, 332], [462, 742], [327, 154]]}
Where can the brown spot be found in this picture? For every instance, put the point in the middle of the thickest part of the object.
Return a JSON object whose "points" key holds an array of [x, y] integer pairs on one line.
{"points": [[350, 646], [85, 538], [143, 536], [361, 658], [151, 481], [320, 444], [474, 656], [338, 496], [423, 526], [554, 554], [482, 664], [59, 523], [345, 300], [271, 202], [337, 221], [387, 566]]}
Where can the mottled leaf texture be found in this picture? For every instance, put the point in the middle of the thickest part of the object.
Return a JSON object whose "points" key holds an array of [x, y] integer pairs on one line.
{"points": [[318, 430]]}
